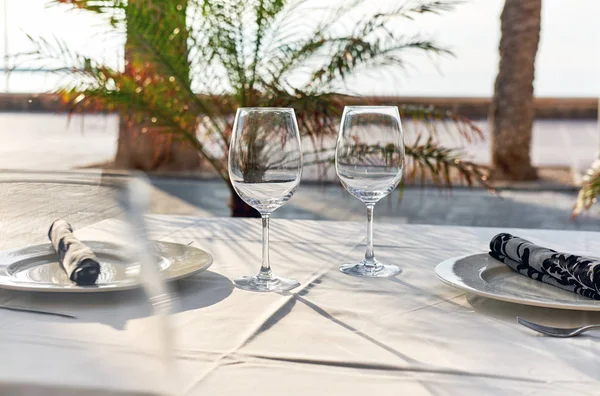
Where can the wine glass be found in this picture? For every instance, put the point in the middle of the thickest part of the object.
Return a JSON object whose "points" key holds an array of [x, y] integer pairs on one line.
{"points": [[265, 167], [369, 159]]}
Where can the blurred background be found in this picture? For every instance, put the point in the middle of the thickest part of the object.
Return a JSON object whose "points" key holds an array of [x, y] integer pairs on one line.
{"points": [[499, 99]]}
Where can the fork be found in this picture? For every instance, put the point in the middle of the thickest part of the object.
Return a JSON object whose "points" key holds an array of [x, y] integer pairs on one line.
{"points": [[556, 331]]}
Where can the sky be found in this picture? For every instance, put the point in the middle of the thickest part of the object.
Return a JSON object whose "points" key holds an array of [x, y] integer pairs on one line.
{"points": [[567, 65]]}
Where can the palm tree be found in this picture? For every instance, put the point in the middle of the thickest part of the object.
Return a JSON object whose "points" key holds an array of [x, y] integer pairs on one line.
{"points": [[512, 110], [145, 147], [253, 53]]}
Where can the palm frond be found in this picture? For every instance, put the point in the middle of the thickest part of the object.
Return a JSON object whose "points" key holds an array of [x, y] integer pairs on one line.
{"points": [[589, 191], [442, 165], [355, 53]]}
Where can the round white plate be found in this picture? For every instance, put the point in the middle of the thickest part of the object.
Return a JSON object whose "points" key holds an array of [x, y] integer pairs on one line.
{"points": [[485, 276], [36, 268]]}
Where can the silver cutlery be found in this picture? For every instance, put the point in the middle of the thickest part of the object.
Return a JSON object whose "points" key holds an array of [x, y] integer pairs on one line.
{"points": [[17, 309], [556, 331]]}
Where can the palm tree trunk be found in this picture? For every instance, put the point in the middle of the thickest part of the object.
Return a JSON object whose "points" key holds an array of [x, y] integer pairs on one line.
{"points": [[238, 207], [141, 146], [144, 148], [512, 111]]}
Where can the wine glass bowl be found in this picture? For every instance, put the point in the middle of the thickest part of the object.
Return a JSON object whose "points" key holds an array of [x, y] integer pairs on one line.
{"points": [[265, 167], [369, 160], [265, 162]]}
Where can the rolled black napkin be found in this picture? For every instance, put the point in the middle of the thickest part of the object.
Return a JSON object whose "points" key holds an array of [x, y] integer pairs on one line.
{"points": [[78, 260], [569, 272]]}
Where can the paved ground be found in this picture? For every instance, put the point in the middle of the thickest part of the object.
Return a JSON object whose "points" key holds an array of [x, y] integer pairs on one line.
{"points": [[52, 140], [523, 209], [42, 141]]}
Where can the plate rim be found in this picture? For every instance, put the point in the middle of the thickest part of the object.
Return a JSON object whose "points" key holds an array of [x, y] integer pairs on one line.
{"points": [[448, 264], [31, 287]]}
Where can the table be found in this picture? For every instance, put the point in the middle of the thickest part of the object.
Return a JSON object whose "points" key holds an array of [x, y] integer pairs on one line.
{"points": [[334, 335]]}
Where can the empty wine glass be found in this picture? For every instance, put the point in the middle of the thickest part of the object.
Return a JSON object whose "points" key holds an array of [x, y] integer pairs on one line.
{"points": [[265, 167], [369, 159]]}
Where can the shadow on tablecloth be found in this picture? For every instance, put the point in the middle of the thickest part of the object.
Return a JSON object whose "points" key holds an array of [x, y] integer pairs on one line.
{"points": [[508, 312], [115, 309]]}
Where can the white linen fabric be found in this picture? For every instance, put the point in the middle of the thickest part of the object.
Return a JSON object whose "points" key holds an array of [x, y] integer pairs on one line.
{"points": [[334, 335]]}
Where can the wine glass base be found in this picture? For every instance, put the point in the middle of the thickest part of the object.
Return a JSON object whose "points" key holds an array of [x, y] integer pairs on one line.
{"points": [[274, 284], [371, 271]]}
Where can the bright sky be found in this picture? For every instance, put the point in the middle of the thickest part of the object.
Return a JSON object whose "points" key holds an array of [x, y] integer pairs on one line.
{"points": [[568, 62]]}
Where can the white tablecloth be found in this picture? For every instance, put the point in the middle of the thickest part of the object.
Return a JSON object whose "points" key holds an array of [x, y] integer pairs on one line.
{"points": [[334, 335]]}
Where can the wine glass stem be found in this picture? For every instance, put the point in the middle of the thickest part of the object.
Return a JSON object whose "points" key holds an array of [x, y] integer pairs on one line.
{"points": [[265, 268], [370, 254]]}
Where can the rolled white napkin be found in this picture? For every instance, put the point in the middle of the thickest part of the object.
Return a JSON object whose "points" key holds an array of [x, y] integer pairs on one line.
{"points": [[76, 259]]}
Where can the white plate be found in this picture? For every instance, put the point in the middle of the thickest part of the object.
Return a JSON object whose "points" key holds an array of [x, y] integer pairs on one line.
{"points": [[485, 276], [35, 268]]}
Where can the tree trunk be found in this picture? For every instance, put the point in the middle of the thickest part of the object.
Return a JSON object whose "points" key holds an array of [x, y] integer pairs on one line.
{"points": [[145, 149], [239, 208], [141, 146], [512, 110]]}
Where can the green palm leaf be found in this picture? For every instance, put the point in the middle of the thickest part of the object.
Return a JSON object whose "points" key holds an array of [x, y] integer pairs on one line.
{"points": [[251, 53]]}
